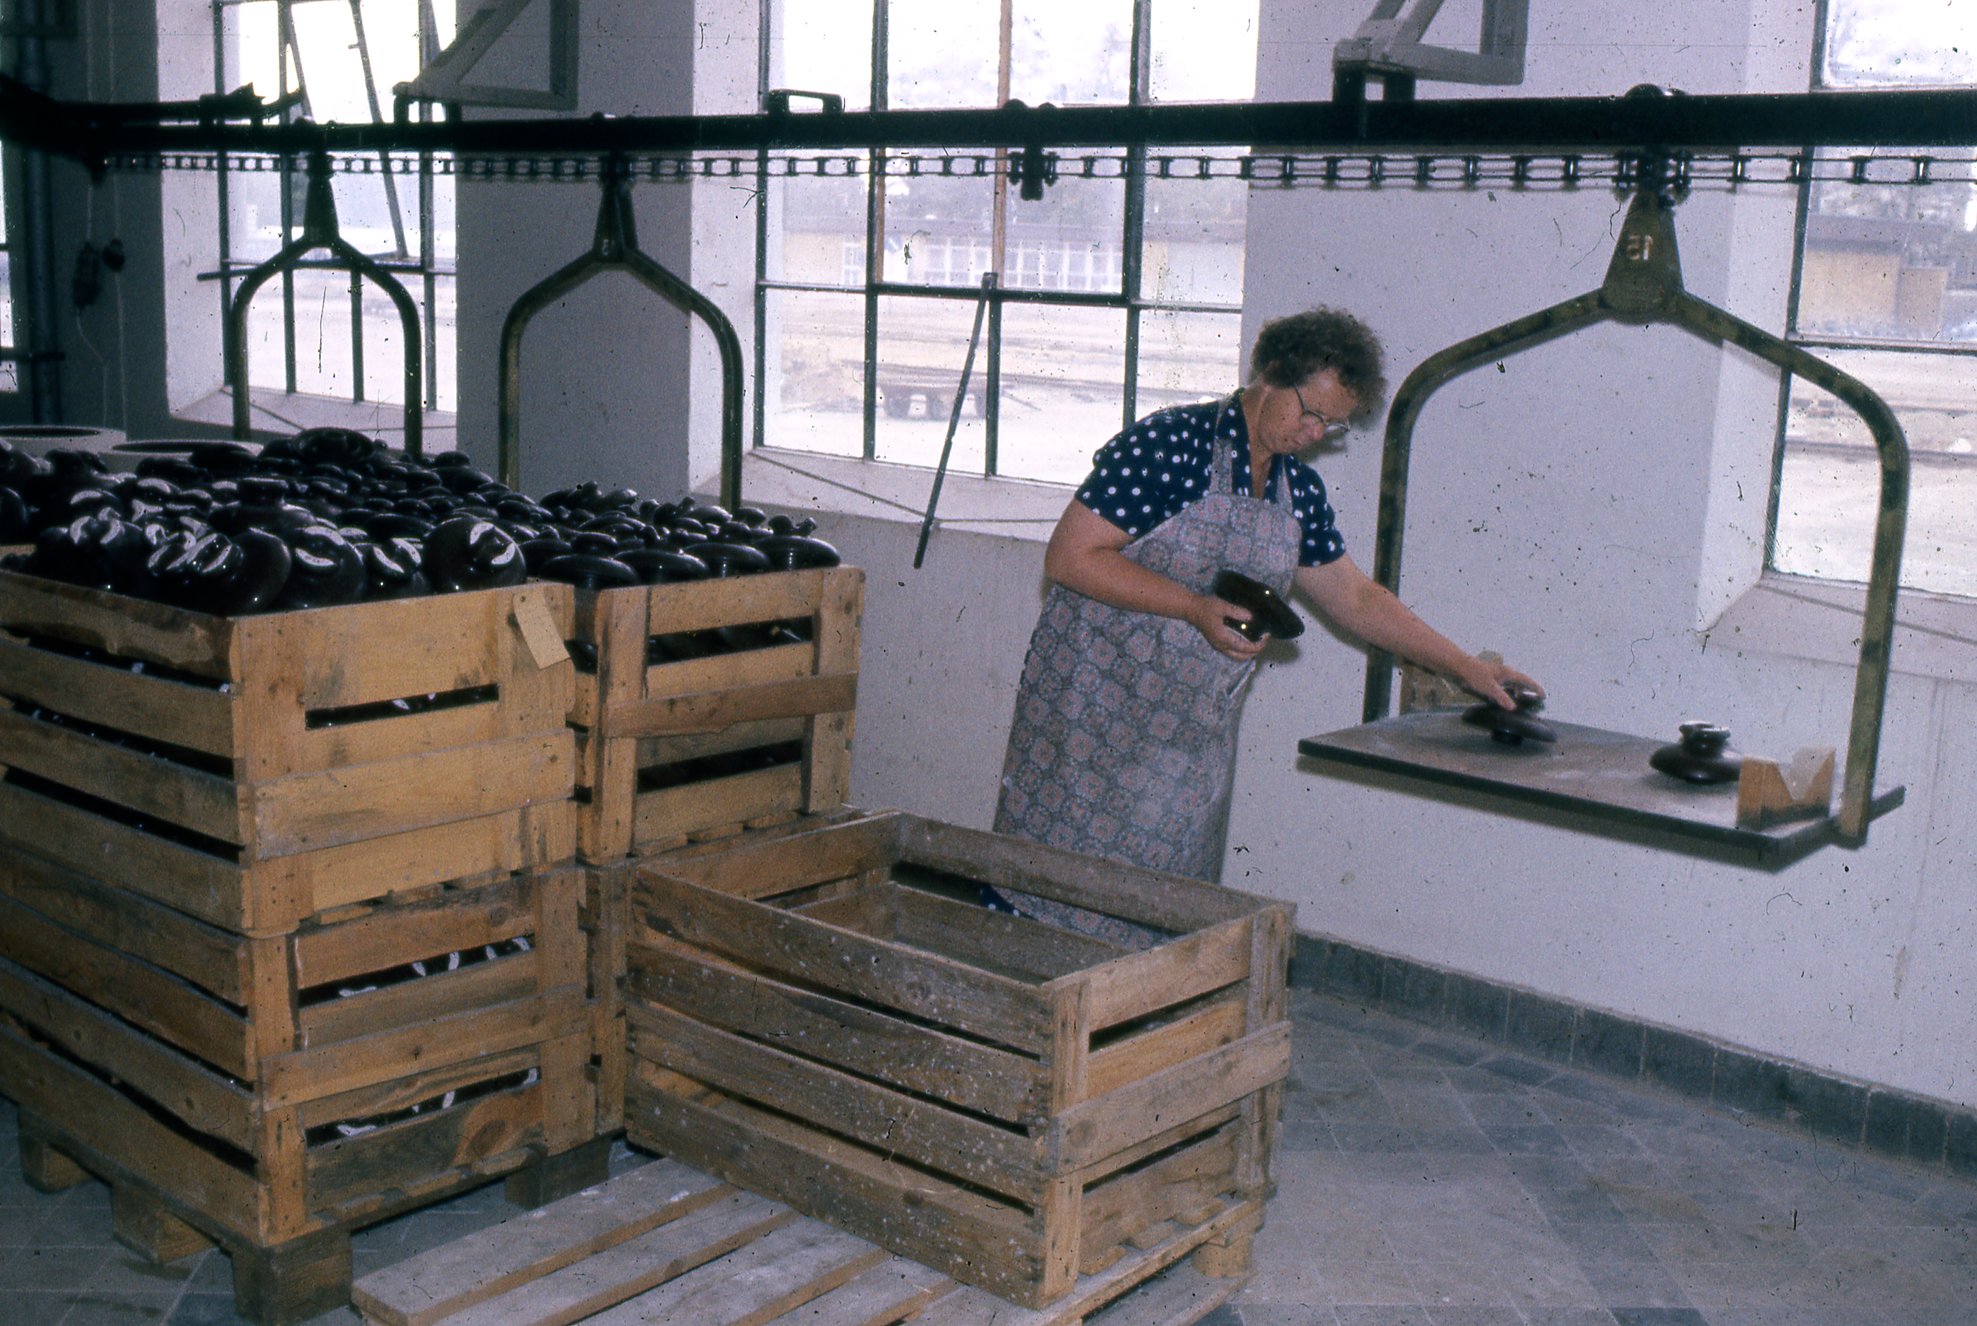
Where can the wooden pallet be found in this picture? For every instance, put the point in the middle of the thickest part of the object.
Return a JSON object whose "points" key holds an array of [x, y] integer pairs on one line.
{"points": [[227, 1081], [255, 771], [666, 1245], [756, 731], [828, 1018]]}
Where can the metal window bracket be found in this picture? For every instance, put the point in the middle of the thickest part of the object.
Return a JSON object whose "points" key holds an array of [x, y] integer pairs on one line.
{"points": [[615, 249], [319, 231], [1388, 47], [445, 76], [1643, 285]]}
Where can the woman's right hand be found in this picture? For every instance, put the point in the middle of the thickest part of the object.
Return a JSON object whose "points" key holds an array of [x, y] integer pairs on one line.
{"points": [[1210, 616]]}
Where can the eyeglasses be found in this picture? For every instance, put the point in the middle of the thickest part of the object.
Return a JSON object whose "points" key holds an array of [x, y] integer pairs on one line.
{"points": [[1334, 429]]}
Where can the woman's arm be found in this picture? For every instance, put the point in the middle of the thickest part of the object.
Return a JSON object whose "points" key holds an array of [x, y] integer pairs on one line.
{"points": [[1356, 603], [1085, 555]]}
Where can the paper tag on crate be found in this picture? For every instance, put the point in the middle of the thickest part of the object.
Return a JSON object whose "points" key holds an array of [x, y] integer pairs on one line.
{"points": [[539, 631]]}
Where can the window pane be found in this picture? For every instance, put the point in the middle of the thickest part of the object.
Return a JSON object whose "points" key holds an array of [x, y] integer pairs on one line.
{"points": [[1890, 260], [814, 388], [938, 229], [1069, 239], [1070, 54], [941, 53], [1890, 43], [1193, 250], [824, 46], [1203, 50], [1063, 371], [821, 225], [1829, 492], [10, 378], [1187, 357], [922, 346]]}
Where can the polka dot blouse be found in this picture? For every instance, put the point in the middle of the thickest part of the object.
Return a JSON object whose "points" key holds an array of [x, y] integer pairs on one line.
{"points": [[1148, 473]]}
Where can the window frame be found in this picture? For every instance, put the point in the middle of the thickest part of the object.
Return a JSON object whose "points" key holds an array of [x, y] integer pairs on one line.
{"points": [[1124, 248], [1818, 342]]}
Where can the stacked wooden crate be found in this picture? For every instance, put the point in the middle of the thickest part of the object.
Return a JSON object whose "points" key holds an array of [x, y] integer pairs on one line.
{"points": [[830, 1018], [288, 941], [701, 710]]}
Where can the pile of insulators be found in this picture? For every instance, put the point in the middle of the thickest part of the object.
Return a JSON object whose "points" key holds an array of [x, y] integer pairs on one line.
{"points": [[331, 516]]}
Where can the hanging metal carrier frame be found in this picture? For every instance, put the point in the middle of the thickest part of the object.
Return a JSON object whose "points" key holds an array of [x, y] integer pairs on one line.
{"points": [[1598, 774], [615, 249]]}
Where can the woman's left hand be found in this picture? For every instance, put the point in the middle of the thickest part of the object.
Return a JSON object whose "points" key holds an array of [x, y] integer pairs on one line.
{"points": [[1494, 680]]}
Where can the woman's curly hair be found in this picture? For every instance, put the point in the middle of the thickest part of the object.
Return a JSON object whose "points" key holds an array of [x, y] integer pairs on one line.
{"points": [[1289, 350]]}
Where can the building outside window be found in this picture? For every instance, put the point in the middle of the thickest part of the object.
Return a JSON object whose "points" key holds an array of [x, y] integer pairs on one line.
{"points": [[321, 332], [1887, 291], [1119, 291]]}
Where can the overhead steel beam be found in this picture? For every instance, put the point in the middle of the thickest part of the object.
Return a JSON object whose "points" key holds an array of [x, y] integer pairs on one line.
{"points": [[1539, 124]]}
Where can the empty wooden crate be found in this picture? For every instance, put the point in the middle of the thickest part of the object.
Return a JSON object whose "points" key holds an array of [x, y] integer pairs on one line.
{"points": [[272, 1093], [254, 771], [831, 1018], [713, 705]]}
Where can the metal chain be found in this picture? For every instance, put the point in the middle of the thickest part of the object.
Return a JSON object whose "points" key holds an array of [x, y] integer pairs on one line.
{"points": [[1282, 170]]}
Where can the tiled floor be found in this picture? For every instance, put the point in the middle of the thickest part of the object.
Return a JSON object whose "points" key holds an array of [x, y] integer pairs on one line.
{"points": [[1427, 1180]]}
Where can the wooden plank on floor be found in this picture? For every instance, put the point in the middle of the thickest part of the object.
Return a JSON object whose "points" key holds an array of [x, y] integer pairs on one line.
{"points": [[1180, 1296], [654, 1261], [892, 1291], [754, 1284], [459, 1274]]}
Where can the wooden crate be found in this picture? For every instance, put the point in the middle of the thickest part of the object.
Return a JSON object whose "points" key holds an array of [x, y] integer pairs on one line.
{"points": [[673, 747], [230, 1084], [665, 1245], [254, 771], [829, 1018]]}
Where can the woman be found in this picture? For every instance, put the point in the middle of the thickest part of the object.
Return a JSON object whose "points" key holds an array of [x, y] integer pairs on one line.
{"points": [[1124, 738]]}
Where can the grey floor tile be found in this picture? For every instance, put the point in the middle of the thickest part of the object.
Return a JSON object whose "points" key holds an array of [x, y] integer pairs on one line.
{"points": [[1475, 1316], [96, 1307], [1283, 1314], [1362, 1314]]}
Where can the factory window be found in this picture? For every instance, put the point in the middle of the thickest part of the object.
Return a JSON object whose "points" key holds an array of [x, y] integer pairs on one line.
{"points": [[10, 378], [1118, 292], [319, 332], [1887, 291]]}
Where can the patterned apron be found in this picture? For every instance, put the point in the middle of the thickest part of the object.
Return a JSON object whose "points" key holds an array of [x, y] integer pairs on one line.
{"points": [[1124, 739]]}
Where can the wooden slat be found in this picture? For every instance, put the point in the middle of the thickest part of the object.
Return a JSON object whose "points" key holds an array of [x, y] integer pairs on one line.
{"points": [[116, 624], [399, 934], [375, 867], [1178, 970], [1169, 902], [1146, 1052], [194, 882], [180, 713], [359, 1169], [116, 918], [438, 994], [207, 1102], [399, 735], [398, 1093], [918, 1058], [1180, 1297], [969, 1306], [733, 602], [490, 1262], [369, 1060], [985, 1154], [674, 811], [1016, 945], [1177, 1183], [102, 1125], [152, 999], [756, 1283], [177, 793], [905, 1209], [680, 746], [928, 986], [792, 861], [894, 1290], [315, 810], [740, 698], [1098, 1128]]}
